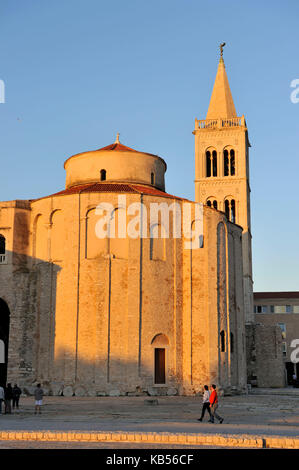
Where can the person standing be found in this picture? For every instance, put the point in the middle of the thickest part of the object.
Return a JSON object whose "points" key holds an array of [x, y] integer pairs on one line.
{"points": [[38, 395], [8, 398], [205, 403], [2, 398], [214, 405], [16, 393]]}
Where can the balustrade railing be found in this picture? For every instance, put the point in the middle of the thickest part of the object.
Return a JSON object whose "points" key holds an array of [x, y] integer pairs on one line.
{"points": [[220, 123]]}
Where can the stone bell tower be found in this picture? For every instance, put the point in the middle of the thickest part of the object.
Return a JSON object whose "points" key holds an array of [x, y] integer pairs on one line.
{"points": [[222, 169]]}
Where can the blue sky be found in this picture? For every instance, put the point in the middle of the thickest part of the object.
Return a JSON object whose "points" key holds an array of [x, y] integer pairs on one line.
{"points": [[78, 71]]}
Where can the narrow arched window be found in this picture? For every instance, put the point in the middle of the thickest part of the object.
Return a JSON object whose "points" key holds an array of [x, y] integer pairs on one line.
{"points": [[226, 163], [232, 343], [2, 245], [232, 162], [211, 163], [152, 178], [232, 211], [208, 163], [103, 175], [214, 154], [229, 162], [222, 341], [212, 203], [226, 206]]}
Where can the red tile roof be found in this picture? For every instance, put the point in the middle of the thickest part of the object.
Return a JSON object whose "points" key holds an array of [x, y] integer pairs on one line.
{"points": [[116, 146], [113, 188], [276, 295]]}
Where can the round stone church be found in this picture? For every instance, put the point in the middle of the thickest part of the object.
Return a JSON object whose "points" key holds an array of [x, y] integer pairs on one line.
{"points": [[114, 287]]}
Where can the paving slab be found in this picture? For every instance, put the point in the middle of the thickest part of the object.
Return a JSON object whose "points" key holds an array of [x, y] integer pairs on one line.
{"points": [[266, 414]]}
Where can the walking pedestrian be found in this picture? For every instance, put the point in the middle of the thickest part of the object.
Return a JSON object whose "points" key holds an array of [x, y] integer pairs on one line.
{"points": [[16, 393], [294, 379], [2, 398], [8, 398], [38, 395], [205, 403], [214, 405]]}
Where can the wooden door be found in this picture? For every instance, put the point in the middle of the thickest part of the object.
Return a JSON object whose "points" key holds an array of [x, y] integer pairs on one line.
{"points": [[159, 366]]}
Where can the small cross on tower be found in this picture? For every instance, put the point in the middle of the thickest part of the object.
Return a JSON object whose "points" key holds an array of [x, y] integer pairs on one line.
{"points": [[221, 49]]}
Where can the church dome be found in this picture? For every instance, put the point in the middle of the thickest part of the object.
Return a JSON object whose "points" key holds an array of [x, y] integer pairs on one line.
{"points": [[115, 163]]}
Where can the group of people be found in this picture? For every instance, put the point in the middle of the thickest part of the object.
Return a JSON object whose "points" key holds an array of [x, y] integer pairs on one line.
{"points": [[210, 404], [10, 396]]}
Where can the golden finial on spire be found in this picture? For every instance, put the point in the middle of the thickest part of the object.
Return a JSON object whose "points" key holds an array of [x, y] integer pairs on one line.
{"points": [[221, 50], [117, 139]]}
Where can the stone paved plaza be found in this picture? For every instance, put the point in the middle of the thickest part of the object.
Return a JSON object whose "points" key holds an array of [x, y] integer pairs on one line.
{"points": [[261, 413]]}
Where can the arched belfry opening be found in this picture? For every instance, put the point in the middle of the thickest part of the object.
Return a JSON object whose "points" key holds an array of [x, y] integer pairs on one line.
{"points": [[229, 162], [211, 163], [211, 202], [160, 346], [230, 209], [4, 339]]}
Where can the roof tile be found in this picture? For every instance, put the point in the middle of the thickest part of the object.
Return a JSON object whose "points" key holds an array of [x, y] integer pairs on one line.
{"points": [[113, 188]]}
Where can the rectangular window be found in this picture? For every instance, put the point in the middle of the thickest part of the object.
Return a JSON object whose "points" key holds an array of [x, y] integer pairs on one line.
{"points": [[271, 308], [283, 329], [288, 309], [295, 308], [261, 309], [284, 348], [280, 309]]}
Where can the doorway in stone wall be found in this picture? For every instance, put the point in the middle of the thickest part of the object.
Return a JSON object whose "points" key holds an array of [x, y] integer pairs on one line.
{"points": [[160, 344], [159, 366], [4, 339]]}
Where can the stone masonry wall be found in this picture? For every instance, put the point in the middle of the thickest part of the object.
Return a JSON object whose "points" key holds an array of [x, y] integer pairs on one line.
{"points": [[265, 367]]}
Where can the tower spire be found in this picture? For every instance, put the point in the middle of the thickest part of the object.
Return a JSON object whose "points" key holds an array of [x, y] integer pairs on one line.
{"points": [[221, 103], [222, 169]]}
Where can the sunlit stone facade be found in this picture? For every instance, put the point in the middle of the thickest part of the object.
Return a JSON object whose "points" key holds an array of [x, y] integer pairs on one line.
{"points": [[123, 315]]}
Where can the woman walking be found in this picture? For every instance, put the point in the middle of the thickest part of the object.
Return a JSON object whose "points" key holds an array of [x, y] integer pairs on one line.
{"points": [[205, 403], [214, 405]]}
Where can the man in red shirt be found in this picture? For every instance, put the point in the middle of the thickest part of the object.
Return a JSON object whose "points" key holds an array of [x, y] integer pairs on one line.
{"points": [[214, 405]]}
